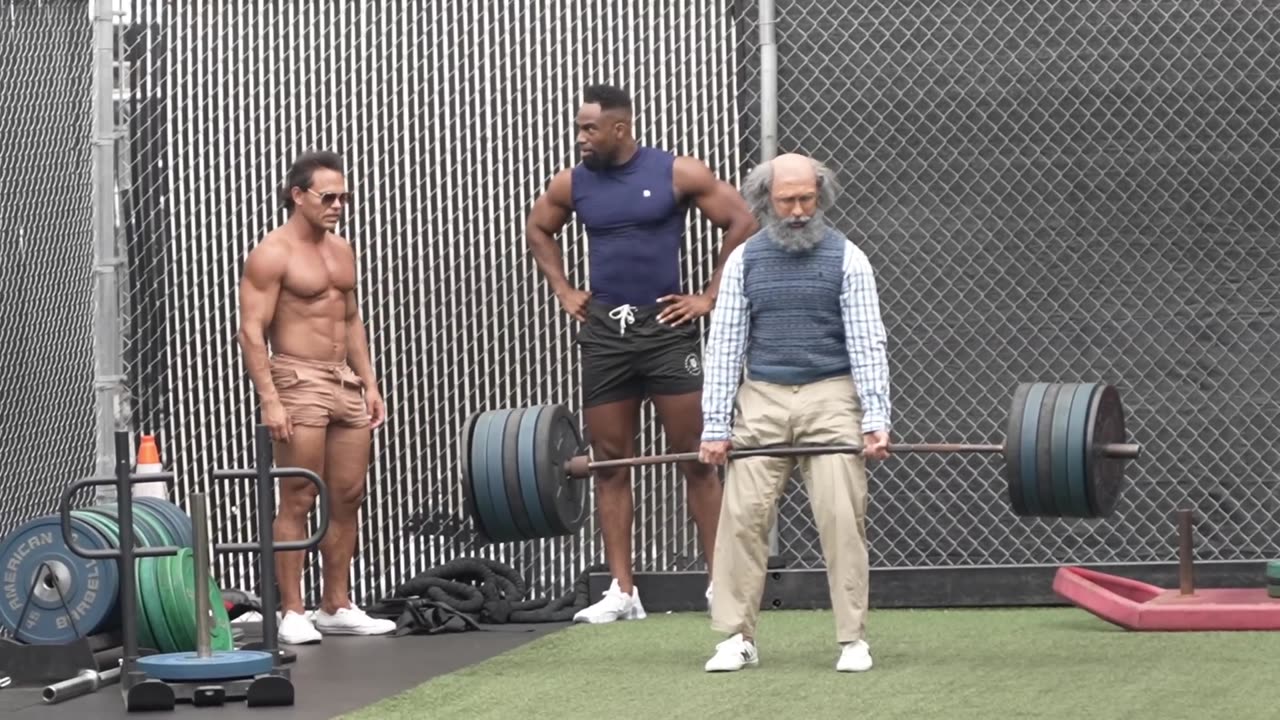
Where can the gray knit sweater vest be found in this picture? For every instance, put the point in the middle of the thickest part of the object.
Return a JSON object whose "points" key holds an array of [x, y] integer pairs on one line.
{"points": [[797, 329]]}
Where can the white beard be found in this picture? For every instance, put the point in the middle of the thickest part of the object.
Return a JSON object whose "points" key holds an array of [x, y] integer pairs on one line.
{"points": [[801, 238]]}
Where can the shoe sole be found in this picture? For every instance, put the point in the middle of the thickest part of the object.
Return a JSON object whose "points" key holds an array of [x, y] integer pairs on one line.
{"points": [[745, 665], [603, 620], [351, 631], [308, 641]]}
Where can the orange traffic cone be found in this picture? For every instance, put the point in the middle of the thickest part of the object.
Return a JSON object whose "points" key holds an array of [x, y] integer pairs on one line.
{"points": [[149, 462]]}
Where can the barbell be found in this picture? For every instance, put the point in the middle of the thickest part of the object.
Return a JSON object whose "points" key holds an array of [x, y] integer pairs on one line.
{"points": [[1064, 453]]}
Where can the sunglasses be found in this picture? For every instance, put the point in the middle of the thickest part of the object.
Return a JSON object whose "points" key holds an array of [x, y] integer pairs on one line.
{"points": [[329, 197]]}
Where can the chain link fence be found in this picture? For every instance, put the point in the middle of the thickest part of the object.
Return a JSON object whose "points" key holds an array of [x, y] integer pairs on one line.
{"points": [[1065, 192], [1047, 191], [451, 117], [46, 254]]}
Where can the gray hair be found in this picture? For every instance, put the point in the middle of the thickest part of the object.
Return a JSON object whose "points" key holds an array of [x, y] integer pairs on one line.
{"points": [[757, 187]]}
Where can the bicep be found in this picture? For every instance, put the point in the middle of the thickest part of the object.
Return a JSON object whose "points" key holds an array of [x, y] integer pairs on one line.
{"points": [[719, 201], [551, 210], [259, 288]]}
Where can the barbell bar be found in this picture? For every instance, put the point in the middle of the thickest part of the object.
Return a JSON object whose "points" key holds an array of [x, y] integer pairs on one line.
{"points": [[1064, 451], [581, 466]]}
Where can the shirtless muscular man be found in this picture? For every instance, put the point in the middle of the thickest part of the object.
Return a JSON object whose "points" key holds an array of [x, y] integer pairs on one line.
{"points": [[317, 390]]}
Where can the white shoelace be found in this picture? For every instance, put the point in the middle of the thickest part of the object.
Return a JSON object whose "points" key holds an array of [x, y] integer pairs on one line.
{"points": [[625, 315]]}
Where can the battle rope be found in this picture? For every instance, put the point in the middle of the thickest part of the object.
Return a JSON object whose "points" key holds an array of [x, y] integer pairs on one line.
{"points": [[492, 592], [460, 595]]}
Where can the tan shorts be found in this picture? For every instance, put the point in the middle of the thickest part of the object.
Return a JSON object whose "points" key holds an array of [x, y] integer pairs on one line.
{"points": [[317, 393]]}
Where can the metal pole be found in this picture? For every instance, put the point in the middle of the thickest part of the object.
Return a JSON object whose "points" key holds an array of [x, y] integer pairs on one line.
{"points": [[108, 375], [1186, 574], [204, 616], [266, 488], [582, 466], [768, 83], [769, 140], [128, 573]]}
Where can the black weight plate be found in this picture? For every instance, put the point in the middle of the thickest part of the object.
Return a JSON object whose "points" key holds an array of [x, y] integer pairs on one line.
{"points": [[558, 440], [503, 526], [40, 573], [1075, 448], [1027, 453], [1059, 452], [1105, 474], [529, 489], [1044, 449], [464, 461], [511, 474], [1012, 447]]}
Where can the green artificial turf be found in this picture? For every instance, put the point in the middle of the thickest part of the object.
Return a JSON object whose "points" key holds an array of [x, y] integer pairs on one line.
{"points": [[991, 664]]}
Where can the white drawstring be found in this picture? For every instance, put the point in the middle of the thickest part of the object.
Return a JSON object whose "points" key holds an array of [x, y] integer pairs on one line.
{"points": [[625, 315]]}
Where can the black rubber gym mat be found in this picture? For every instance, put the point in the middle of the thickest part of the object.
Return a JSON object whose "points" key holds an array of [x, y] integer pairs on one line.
{"points": [[340, 675]]}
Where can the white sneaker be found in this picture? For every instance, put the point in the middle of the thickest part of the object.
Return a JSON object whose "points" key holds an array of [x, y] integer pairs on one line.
{"points": [[296, 629], [733, 654], [854, 657], [708, 598], [352, 621], [616, 605]]}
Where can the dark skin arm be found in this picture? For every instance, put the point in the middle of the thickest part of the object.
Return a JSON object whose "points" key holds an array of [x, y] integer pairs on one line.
{"points": [[724, 207], [550, 213]]}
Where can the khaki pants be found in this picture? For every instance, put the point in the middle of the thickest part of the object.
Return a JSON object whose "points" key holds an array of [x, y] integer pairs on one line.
{"points": [[826, 412]]}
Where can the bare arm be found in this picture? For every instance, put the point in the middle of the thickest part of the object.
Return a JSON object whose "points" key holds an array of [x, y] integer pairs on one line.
{"points": [[547, 218], [259, 290], [358, 344], [358, 339], [721, 204]]}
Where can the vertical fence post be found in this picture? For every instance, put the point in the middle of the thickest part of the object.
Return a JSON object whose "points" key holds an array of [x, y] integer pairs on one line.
{"points": [[107, 354], [769, 142], [768, 83]]}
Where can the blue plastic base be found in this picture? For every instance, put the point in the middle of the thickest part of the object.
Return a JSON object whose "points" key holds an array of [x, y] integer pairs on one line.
{"points": [[221, 665]]}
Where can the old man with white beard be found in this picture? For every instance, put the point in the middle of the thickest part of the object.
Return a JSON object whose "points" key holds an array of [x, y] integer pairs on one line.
{"points": [[799, 312]]}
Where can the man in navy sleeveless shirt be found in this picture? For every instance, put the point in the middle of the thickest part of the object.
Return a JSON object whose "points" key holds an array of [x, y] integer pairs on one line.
{"points": [[639, 336]]}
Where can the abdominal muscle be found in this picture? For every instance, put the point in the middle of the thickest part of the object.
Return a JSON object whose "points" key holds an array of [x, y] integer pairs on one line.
{"points": [[314, 328]]}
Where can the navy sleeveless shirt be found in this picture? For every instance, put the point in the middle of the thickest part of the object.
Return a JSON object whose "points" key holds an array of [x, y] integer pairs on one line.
{"points": [[635, 228]]}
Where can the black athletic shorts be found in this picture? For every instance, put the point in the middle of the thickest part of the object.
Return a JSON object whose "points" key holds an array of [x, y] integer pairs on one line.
{"points": [[631, 354]]}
